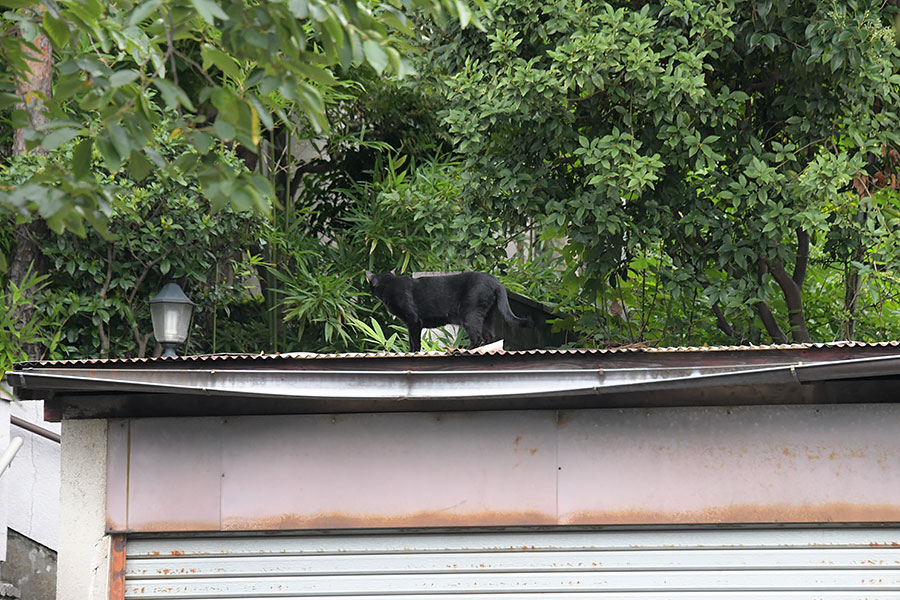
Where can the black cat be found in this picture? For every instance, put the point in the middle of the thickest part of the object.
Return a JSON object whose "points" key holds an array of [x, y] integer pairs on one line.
{"points": [[467, 299]]}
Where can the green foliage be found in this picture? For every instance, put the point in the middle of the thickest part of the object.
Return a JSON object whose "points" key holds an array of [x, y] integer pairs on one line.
{"points": [[43, 327], [213, 71], [661, 173], [375, 339], [681, 151], [397, 219], [159, 229]]}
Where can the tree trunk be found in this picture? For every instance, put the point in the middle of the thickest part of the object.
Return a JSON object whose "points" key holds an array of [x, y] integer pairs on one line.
{"points": [[33, 88], [792, 285], [851, 293], [765, 313]]}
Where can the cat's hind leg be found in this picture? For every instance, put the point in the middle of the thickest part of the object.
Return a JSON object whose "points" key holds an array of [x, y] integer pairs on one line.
{"points": [[474, 326], [487, 329]]}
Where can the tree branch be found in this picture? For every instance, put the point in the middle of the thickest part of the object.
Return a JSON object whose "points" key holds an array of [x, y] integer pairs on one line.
{"points": [[137, 283], [794, 300], [724, 325], [101, 329], [774, 77], [141, 340], [771, 325], [104, 338], [802, 257], [110, 255]]}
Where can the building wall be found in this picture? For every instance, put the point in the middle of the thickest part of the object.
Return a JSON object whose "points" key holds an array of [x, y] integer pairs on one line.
{"points": [[4, 444], [83, 567], [33, 492], [30, 568], [661, 466], [32, 506]]}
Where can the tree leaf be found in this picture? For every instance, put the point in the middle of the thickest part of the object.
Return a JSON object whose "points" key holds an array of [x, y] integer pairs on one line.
{"points": [[209, 10], [56, 29], [464, 13], [317, 74], [112, 160], [299, 8], [120, 139], [123, 77], [173, 95], [7, 100], [144, 10], [375, 56], [58, 137], [224, 130], [81, 158], [212, 56], [138, 165]]}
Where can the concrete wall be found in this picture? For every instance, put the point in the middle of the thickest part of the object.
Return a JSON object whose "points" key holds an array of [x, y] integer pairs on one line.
{"points": [[83, 567], [30, 567]]}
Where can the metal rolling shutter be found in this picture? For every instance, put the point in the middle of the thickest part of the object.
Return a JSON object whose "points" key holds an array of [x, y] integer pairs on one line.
{"points": [[559, 565]]}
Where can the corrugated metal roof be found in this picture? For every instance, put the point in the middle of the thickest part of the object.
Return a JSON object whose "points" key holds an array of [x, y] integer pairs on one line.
{"points": [[636, 348], [463, 380]]}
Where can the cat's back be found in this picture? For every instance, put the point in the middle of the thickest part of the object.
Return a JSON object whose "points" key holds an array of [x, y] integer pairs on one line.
{"points": [[455, 283]]}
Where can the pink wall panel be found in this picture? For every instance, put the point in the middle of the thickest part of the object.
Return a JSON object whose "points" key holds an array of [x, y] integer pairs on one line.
{"points": [[730, 465], [175, 474], [390, 469], [760, 464]]}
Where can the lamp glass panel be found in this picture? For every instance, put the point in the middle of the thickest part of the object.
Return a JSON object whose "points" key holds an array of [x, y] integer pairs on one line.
{"points": [[170, 321]]}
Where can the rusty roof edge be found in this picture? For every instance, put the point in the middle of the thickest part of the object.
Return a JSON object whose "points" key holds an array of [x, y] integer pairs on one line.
{"points": [[410, 385], [461, 352]]}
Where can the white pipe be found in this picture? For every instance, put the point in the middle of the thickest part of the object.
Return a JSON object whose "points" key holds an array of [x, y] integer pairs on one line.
{"points": [[7, 456]]}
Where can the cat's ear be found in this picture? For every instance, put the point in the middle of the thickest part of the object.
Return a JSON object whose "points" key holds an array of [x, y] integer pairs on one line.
{"points": [[370, 276], [394, 271]]}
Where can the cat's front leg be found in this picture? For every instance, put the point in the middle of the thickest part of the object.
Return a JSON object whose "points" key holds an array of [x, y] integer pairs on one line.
{"points": [[415, 338]]}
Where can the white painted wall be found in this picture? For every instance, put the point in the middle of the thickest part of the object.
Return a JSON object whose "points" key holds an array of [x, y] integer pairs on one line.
{"points": [[4, 443], [33, 479], [83, 567]]}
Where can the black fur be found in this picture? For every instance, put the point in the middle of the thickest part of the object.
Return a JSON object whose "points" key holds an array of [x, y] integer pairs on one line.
{"points": [[468, 299]]}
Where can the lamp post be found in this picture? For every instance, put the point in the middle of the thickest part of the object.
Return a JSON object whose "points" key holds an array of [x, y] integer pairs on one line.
{"points": [[170, 310]]}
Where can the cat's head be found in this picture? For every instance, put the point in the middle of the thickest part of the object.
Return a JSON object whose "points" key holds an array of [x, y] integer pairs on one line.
{"points": [[378, 281]]}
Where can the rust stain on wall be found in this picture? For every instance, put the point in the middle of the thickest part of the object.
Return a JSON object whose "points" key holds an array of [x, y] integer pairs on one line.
{"points": [[837, 512], [832, 512], [160, 526], [420, 519]]}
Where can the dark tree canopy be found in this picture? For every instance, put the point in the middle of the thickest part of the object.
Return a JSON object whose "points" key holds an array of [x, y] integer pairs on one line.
{"points": [[718, 136]]}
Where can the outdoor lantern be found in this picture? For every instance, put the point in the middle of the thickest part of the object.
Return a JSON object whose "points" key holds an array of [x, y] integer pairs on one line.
{"points": [[171, 314]]}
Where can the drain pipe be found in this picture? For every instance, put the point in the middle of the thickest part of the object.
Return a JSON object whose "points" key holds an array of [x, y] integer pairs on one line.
{"points": [[7, 456]]}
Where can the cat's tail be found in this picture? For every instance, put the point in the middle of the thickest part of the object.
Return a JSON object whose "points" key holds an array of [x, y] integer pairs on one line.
{"points": [[506, 312]]}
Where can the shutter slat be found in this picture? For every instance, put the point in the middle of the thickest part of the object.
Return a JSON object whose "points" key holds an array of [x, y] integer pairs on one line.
{"points": [[443, 584], [778, 559], [285, 567], [525, 541]]}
